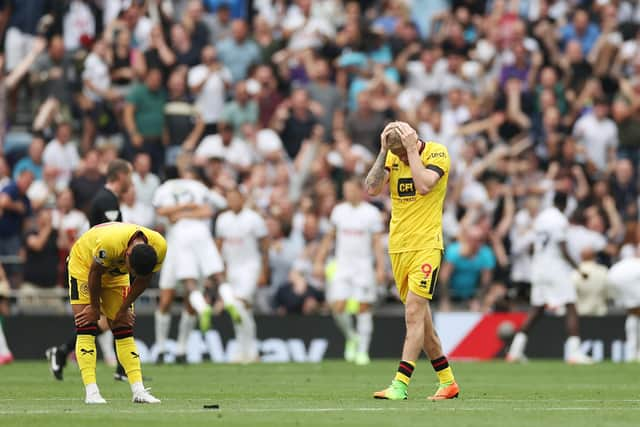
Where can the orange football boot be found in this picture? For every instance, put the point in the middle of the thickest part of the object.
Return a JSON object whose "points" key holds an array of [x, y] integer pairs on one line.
{"points": [[450, 391]]}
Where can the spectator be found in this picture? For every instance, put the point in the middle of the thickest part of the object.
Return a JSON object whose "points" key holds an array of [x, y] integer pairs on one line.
{"points": [[628, 130], [208, 81], [123, 59], [69, 223], [598, 136], [242, 110], [238, 52], [294, 120], [62, 155], [134, 211], [182, 120], [33, 161], [365, 125], [226, 146], [22, 29], [302, 294], [158, 55], [193, 22], [185, 51], [87, 181], [41, 264], [269, 97], [466, 272], [143, 179], [218, 23], [582, 30], [144, 118], [323, 91], [15, 207]]}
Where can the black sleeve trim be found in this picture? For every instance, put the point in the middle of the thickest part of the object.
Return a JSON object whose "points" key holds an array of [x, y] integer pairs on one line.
{"points": [[436, 169]]}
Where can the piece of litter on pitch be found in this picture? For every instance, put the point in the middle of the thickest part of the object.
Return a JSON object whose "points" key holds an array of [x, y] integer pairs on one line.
{"points": [[211, 406]]}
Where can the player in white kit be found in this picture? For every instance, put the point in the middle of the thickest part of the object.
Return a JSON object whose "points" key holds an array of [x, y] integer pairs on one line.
{"points": [[359, 255], [624, 278], [551, 284], [192, 256], [241, 234]]}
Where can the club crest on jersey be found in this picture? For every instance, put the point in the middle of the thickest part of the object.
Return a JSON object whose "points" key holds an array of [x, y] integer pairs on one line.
{"points": [[395, 166], [406, 187]]}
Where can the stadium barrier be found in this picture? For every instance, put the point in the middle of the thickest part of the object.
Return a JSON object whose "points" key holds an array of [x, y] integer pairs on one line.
{"points": [[465, 336]]}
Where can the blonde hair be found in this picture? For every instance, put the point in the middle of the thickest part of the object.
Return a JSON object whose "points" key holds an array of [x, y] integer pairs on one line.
{"points": [[394, 139]]}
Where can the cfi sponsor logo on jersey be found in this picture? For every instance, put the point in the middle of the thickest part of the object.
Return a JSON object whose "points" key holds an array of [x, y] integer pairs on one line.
{"points": [[406, 187]]}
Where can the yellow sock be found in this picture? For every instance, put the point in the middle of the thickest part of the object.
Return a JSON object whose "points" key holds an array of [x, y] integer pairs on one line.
{"points": [[86, 353], [405, 369], [443, 370], [128, 355]]}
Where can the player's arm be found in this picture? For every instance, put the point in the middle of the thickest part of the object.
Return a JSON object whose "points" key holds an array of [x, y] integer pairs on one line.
{"points": [[565, 254], [425, 177], [378, 252], [140, 284], [264, 253], [323, 252], [378, 175], [91, 313]]}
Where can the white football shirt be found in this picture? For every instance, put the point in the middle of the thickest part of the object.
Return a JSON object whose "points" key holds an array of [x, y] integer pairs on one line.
{"points": [[240, 234], [355, 227], [550, 228]]}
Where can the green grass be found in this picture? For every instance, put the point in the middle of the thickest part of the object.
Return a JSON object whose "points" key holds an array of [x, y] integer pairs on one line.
{"points": [[329, 394]]}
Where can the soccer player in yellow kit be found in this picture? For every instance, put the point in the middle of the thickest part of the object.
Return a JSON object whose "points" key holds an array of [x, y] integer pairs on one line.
{"points": [[99, 266], [417, 173]]}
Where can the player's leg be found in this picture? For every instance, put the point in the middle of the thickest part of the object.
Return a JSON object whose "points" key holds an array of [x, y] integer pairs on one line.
{"points": [[86, 357], [337, 294], [126, 348], [365, 293], [5, 354], [162, 320], [162, 315], [188, 320], [631, 327], [567, 295], [447, 388], [519, 342], [414, 315], [106, 342]]}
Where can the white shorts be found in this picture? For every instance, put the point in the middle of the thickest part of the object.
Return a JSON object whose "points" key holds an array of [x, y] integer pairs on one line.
{"points": [[554, 293], [356, 281], [192, 259], [243, 279]]}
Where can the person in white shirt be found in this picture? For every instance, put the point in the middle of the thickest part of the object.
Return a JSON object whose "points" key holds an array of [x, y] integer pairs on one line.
{"points": [[209, 81], [71, 223], [241, 234], [62, 155], [359, 266], [191, 257], [522, 237], [135, 211], [551, 281], [624, 279], [145, 181], [225, 145], [598, 135]]}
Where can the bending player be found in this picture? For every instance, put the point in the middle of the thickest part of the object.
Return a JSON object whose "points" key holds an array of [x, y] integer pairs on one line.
{"points": [[99, 266], [191, 257], [551, 285], [357, 232], [241, 234], [417, 173]]}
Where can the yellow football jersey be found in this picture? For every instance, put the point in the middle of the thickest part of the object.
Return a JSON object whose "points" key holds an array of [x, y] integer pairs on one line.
{"points": [[106, 244], [416, 221]]}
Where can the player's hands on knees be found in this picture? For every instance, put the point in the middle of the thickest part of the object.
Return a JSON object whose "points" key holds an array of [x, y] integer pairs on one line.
{"points": [[123, 318], [88, 315]]}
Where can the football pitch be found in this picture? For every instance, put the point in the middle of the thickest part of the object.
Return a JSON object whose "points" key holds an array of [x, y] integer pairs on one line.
{"points": [[329, 394]]}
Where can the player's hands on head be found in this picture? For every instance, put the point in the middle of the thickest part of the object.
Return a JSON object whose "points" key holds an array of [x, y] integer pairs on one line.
{"points": [[87, 316], [390, 127], [409, 136], [124, 317]]}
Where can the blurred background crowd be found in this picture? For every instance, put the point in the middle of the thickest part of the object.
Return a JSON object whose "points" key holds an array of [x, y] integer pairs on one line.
{"points": [[287, 98]]}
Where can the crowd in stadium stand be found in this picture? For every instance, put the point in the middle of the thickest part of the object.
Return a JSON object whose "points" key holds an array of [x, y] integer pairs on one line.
{"points": [[287, 98]]}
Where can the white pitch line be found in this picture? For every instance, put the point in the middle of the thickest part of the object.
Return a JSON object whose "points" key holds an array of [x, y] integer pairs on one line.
{"points": [[318, 410]]}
